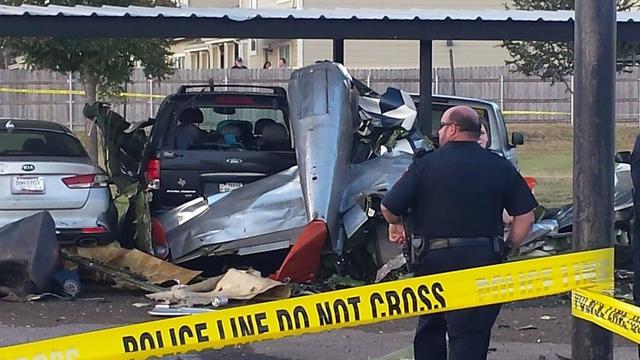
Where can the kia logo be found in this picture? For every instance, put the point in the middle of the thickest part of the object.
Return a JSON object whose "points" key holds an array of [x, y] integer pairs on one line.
{"points": [[28, 167], [234, 161]]}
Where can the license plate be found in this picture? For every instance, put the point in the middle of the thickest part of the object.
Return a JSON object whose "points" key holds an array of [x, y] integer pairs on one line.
{"points": [[226, 187], [27, 185]]}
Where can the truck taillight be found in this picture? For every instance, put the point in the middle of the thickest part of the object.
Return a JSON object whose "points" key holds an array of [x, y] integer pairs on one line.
{"points": [[86, 181], [153, 174], [159, 236]]}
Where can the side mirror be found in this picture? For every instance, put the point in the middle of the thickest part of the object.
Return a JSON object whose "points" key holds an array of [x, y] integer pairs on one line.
{"points": [[623, 157], [517, 138]]}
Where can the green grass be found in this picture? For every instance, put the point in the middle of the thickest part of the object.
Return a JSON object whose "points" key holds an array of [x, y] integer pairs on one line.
{"points": [[547, 155]]}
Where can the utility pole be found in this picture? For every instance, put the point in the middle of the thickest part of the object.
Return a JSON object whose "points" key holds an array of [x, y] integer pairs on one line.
{"points": [[424, 106], [593, 150]]}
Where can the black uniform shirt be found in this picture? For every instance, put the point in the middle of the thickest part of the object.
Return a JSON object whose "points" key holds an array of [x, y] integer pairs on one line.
{"points": [[460, 190]]}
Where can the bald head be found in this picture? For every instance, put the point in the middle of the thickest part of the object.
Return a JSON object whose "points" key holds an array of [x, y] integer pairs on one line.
{"points": [[465, 117], [459, 123]]}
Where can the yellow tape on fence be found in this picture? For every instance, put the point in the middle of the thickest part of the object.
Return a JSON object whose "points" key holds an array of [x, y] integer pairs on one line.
{"points": [[332, 310], [71, 92], [611, 314]]}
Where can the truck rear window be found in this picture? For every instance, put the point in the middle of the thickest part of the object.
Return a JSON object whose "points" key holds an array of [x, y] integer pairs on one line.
{"points": [[221, 127], [39, 143]]}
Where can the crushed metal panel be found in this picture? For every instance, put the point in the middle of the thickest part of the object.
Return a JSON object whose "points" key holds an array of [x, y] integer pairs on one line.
{"points": [[243, 217]]}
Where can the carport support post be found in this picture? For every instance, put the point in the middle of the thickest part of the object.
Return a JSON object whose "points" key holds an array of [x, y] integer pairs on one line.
{"points": [[425, 85], [338, 51], [593, 149]]}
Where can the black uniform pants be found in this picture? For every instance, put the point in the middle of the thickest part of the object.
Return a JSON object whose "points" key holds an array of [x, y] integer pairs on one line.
{"points": [[469, 330]]}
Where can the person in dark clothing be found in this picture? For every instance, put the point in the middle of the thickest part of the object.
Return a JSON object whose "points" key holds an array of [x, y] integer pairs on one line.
{"points": [[457, 194], [239, 64], [635, 236]]}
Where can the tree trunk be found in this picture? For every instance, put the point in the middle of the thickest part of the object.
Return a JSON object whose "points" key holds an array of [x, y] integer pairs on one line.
{"points": [[90, 84]]}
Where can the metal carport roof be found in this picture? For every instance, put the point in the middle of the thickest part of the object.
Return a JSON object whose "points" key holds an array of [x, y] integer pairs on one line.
{"points": [[416, 24]]}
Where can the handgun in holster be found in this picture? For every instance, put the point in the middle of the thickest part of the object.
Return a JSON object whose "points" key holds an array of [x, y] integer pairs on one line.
{"points": [[413, 248]]}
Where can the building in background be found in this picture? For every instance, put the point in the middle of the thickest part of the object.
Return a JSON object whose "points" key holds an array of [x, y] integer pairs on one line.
{"points": [[221, 53]]}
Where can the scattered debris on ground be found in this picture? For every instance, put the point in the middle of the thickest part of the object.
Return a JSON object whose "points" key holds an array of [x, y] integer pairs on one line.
{"points": [[233, 285], [130, 267]]}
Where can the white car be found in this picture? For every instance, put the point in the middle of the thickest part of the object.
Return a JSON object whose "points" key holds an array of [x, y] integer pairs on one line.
{"points": [[43, 166]]}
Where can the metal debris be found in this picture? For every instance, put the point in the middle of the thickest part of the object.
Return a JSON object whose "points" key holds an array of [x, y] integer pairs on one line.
{"points": [[394, 264], [526, 327], [140, 304], [235, 284], [132, 268], [167, 310]]}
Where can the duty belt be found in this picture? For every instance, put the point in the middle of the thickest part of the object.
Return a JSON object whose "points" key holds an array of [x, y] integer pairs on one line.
{"points": [[443, 243]]}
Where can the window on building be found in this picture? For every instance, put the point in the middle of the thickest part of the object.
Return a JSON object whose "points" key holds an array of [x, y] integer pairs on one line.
{"points": [[179, 62], [195, 61], [221, 53], [284, 51], [204, 59]]}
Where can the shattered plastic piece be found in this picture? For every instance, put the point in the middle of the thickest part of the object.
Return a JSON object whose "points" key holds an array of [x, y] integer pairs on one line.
{"points": [[526, 327], [166, 310], [140, 304], [537, 253], [28, 254], [393, 264], [235, 284], [547, 317]]}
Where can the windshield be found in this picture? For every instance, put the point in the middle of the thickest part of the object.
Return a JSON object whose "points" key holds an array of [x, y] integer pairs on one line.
{"points": [[39, 143], [214, 120]]}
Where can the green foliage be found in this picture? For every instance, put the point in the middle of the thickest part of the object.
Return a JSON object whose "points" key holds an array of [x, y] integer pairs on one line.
{"points": [[554, 60], [105, 63]]}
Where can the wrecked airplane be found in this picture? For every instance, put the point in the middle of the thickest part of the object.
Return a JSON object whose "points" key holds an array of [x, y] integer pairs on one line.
{"points": [[350, 147]]}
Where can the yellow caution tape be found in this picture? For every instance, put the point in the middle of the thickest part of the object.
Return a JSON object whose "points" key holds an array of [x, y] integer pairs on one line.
{"points": [[611, 314], [71, 92], [332, 310]]}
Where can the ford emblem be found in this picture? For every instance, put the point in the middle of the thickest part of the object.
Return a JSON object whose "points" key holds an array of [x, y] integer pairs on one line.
{"points": [[234, 161], [28, 167]]}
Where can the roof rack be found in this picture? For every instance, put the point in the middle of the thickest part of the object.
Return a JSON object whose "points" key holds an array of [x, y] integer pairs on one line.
{"points": [[183, 89]]}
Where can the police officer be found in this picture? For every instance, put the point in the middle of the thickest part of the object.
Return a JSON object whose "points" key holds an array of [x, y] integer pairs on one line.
{"points": [[457, 194]]}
